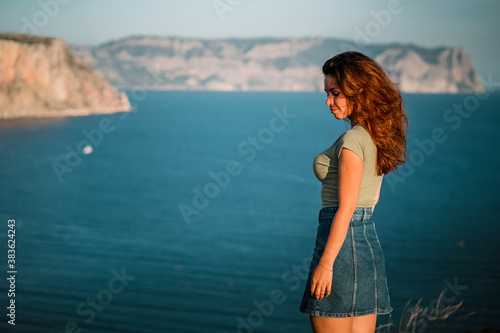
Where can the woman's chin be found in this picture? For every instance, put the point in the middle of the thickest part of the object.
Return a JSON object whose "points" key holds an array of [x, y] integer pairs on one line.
{"points": [[337, 116]]}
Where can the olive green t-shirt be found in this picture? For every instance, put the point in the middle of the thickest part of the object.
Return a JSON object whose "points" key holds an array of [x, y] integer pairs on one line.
{"points": [[325, 166]]}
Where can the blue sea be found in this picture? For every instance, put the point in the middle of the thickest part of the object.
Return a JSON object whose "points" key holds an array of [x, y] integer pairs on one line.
{"points": [[197, 212]]}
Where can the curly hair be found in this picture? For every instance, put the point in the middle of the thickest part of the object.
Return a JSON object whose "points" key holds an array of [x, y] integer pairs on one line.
{"points": [[376, 103]]}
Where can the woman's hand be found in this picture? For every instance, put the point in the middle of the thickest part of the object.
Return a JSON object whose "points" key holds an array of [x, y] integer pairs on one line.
{"points": [[321, 282]]}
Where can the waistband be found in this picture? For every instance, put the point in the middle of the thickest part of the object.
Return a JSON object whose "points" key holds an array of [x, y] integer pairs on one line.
{"points": [[361, 215]]}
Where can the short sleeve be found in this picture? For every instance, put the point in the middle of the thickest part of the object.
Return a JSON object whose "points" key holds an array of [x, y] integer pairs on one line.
{"points": [[353, 142]]}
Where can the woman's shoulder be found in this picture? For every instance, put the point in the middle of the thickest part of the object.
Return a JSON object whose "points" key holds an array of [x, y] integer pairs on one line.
{"points": [[358, 140], [357, 133]]}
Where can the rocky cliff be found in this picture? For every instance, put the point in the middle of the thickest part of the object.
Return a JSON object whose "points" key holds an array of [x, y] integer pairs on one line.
{"points": [[40, 77], [268, 64]]}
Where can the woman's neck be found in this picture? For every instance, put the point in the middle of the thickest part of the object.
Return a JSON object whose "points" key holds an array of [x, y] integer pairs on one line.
{"points": [[353, 122]]}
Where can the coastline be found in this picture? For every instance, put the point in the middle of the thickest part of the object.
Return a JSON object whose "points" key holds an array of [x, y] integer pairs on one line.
{"points": [[78, 112], [73, 112]]}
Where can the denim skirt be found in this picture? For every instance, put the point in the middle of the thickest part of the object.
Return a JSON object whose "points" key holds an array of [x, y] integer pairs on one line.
{"points": [[359, 281]]}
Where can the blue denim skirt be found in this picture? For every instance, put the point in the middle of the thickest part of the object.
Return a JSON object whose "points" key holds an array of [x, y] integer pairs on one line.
{"points": [[359, 282]]}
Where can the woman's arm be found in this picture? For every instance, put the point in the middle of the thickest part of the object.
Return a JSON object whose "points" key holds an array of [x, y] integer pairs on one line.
{"points": [[350, 176]]}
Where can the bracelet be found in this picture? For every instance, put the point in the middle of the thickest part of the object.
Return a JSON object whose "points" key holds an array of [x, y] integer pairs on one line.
{"points": [[331, 270]]}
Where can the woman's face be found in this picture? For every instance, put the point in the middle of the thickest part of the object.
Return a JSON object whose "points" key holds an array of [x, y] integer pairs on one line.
{"points": [[336, 100]]}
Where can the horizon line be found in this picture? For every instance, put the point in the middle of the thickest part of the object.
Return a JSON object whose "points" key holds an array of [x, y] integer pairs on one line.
{"points": [[246, 38]]}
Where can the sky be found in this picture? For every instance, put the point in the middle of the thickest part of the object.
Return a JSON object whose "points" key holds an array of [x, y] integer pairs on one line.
{"points": [[472, 24]]}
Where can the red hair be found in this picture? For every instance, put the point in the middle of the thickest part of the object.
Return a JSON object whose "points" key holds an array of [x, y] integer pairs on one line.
{"points": [[376, 103]]}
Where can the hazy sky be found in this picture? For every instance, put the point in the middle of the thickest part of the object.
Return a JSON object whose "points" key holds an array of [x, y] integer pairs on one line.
{"points": [[471, 24]]}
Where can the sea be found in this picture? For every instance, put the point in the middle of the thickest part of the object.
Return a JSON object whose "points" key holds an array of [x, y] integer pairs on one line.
{"points": [[197, 212]]}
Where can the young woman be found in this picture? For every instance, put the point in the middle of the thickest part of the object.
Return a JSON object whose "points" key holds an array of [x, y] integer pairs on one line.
{"points": [[347, 284]]}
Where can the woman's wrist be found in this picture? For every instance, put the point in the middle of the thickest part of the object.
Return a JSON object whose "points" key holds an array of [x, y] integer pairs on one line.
{"points": [[325, 267], [327, 258]]}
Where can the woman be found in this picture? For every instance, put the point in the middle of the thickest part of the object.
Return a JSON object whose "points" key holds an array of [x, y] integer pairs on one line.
{"points": [[347, 284]]}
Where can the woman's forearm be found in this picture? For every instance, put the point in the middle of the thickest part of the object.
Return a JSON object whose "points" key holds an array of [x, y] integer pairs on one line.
{"points": [[338, 233]]}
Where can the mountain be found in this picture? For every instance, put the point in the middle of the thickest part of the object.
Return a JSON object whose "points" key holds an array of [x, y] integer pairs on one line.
{"points": [[268, 64], [40, 77]]}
